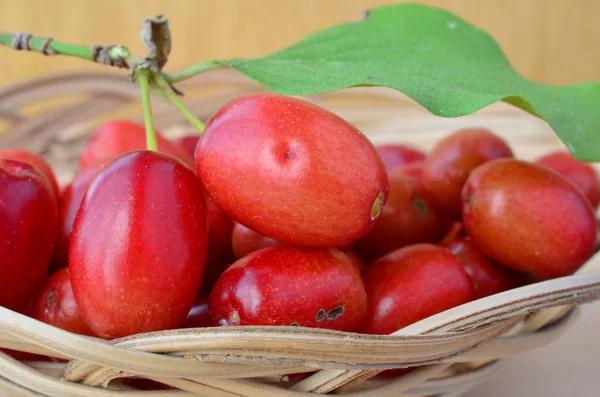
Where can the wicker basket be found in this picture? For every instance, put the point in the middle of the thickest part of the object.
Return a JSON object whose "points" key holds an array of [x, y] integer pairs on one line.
{"points": [[453, 350]]}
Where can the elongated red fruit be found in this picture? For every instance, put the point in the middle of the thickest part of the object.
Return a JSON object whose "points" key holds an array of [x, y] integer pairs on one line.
{"points": [[292, 171], [452, 159], [139, 244], [413, 283], [120, 136], [27, 232], [528, 218], [308, 287], [37, 161]]}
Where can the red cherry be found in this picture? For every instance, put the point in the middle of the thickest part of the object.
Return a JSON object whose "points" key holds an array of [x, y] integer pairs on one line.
{"points": [[309, 287], [245, 241], [487, 277], [199, 315], [27, 232], [67, 210], [55, 304], [291, 170], [580, 173], [120, 136], [411, 284], [528, 218], [188, 143], [410, 216], [453, 158], [396, 156], [35, 160], [138, 246]]}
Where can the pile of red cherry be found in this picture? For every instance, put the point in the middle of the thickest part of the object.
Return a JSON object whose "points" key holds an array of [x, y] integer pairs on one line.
{"points": [[283, 213]]}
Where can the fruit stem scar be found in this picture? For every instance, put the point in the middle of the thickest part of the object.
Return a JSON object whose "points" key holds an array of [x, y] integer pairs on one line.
{"points": [[234, 318], [377, 206]]}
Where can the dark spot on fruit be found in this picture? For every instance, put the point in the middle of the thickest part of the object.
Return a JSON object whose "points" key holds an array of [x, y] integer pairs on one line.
{"points": [[420, 205], [51, 298], [294, 324], [335, 313], [321, 315], [289, 154]]}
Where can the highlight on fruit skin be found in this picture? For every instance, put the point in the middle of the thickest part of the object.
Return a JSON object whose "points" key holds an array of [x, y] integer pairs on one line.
{"points": [[291, 170]]}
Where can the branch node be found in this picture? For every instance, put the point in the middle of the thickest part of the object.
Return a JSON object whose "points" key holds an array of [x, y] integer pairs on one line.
{"points": [[101, 54], [21, 41], [45, 48]]}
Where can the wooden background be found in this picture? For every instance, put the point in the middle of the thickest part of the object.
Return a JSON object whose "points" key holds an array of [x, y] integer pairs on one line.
{"points": [[551, 41]]}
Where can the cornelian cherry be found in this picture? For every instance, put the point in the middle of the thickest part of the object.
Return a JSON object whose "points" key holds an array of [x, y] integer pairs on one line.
{"points": [[291, 171], [139, 245]]}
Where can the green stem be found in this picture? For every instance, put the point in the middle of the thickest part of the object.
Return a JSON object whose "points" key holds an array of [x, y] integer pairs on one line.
{"points": [[193, 71], [165, 86], [144, 82], [112, 55]]}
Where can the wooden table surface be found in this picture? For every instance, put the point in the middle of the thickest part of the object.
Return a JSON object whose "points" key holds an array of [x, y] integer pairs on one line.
{"points": [[568, 367]]}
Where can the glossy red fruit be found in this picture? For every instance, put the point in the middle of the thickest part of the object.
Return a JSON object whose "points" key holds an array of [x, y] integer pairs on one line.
{"points": [[120, 136], [582, 174], [411, 284], [396, 156], [245, 241], [487, 277], [453, 158], [199, 315], [529, 218], [67, 210], [413, 169], [291, 170], [55, 304], [27, 232], [310, 287], [188, 143], [35, 160], [139, 244], [410, 216], [220, 253]]}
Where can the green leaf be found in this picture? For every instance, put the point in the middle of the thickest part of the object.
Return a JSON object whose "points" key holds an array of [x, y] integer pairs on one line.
{"points": [[442, 62]]}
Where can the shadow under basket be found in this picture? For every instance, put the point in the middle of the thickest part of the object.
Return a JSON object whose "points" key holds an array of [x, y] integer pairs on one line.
{"points": [[452, 351]]}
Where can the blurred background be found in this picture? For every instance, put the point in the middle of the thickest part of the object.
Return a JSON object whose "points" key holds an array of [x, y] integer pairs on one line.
{"points": [[550, 41]]}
